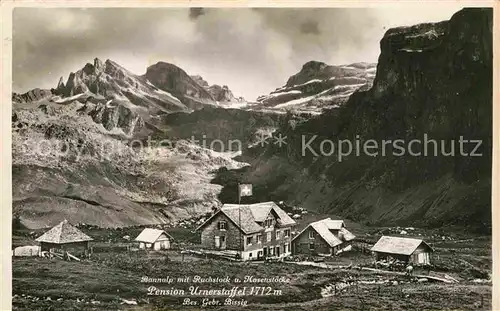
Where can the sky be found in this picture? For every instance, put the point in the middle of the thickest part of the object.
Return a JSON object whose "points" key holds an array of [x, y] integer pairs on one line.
{"points": [[253, 51]]}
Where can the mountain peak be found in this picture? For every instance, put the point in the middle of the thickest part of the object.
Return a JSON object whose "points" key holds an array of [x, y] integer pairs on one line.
{"points": [[98, 64], [112, 64], [60, 84], [314, 65], [161, 65], [175, 80]]}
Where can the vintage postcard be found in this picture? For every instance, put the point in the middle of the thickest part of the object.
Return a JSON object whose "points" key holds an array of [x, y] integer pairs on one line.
{"points": [[248, 155]]}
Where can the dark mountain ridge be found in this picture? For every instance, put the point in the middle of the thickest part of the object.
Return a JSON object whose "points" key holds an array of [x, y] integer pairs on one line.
{"points": [[432, 79]]}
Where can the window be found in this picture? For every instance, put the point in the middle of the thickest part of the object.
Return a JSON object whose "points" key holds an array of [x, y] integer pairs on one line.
{"points": [[268, 223], [249, 240], [250, 255], [278, 234], [268, 238], [222, 225], [286, 248], [311, 246], [311, 234], [259, 238], [217, 241], [287, 233]]}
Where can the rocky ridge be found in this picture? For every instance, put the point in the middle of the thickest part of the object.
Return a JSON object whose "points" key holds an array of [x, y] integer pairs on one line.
{"points": [[318, 86], [221, 94]]}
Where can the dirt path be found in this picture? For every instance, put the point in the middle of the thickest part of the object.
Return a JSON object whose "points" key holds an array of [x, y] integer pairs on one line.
{"points": [[421, 276]]}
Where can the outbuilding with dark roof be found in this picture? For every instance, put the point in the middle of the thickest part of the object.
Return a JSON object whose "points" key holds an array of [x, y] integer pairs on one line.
{"points": [[410, 250], [64, 236]]}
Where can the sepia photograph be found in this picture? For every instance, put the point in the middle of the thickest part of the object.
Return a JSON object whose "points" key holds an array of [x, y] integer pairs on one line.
{"points": [[252, 157]]}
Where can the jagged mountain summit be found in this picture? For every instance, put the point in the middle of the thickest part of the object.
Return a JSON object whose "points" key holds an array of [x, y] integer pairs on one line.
{"points": [[119, 99], [163, 88], [222, 94], [318, 86], [110, 81]]}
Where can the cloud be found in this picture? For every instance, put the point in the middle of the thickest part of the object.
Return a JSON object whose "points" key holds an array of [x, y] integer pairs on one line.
{"points": [[253, 51], [309, 27]]}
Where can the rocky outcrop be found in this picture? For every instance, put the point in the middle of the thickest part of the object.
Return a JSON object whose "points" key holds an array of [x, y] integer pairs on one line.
{"points": [[199, 79], [31, 96], [318, 86], [107, 79], [230, 126], [221, 94], [116, 117], [441, 73], [321, 71], [176, 81], [60, 84]]}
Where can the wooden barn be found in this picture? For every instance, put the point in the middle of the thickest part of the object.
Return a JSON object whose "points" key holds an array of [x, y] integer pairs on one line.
{"points": [[409, 250], [64, 237], [155, 239], [323, 237]]}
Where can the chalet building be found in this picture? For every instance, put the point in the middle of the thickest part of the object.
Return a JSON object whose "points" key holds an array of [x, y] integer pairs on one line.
{"points": [[155, 239], [64, 237], [323, 237], [409, 250], [255, 230]]}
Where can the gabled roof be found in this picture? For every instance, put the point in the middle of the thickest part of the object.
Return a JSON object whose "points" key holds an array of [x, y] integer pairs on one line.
{"points": [[323, 229], [259, 210], [248, 216], [150, 235], [242, 217], [397, 245], [63, 233], [283, 218], [333, 224], [346, 234]]}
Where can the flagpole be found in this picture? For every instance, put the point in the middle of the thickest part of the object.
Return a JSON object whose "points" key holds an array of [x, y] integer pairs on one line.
{"points": [[239, 219]]}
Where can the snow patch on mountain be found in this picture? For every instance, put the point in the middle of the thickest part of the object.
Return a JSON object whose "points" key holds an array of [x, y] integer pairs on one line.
{"points": [[318, 86]]}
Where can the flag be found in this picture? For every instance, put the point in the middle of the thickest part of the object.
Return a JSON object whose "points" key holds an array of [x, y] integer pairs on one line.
{"points": [[245, 190]]}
